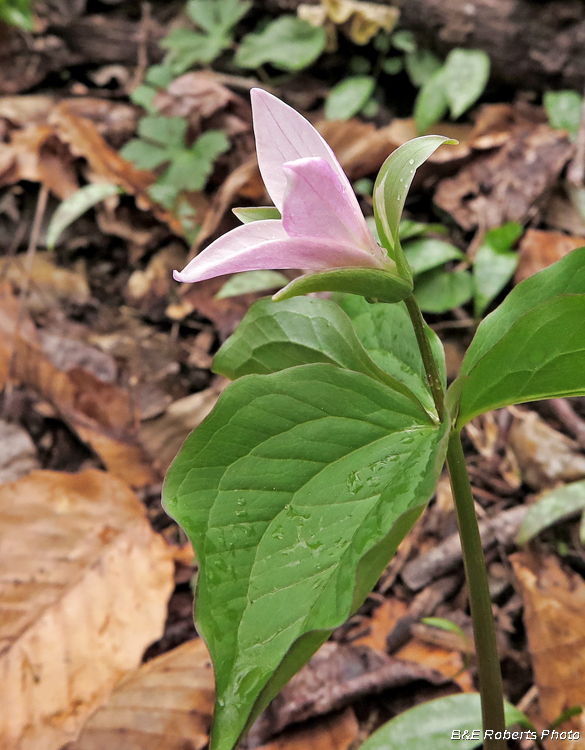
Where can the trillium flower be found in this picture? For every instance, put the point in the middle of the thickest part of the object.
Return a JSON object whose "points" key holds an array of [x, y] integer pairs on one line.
{"points": [[321, 228]]}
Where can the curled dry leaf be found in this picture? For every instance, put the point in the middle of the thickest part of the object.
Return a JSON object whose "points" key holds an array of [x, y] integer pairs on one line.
{"points": [[508, 185], [167, 704], [17, 451], [539, 249], [99, 412], [163, 437], [554, 615], [74, 549], [545, 456]]}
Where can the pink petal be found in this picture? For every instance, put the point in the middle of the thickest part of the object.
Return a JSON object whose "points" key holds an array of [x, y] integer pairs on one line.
{"points": [[318, 204], [265, 244], [283, 135]]}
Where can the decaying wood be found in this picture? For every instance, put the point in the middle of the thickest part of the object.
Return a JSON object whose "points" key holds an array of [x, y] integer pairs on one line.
{"points": [[531, 43]]}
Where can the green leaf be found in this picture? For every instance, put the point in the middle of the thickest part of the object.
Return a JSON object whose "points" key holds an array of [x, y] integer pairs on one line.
{"points": [[387, 334], [17, 13], [348, 97], [541, 356], [378, 285], [431, 724], [144, 155], [409, 229], [438, 291], [159, 76], [404, 40], [428, 252], [421, 65], [276, 335], [288, 43], [552, 507], [168, 132], [217, 16], [187, 47], [444, 624], [494, 264], [256, 213], [295, 492], [191, 168], [466, 74], [143, 96], [431, 103], [563, 109], [392, 185], [393, 65], [251, 281], [75, 206], [566, 276]]}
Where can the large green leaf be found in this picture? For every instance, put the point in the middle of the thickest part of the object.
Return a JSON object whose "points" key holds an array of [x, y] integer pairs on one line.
{"points": [[438, 724], [392, 185], [276, 335], [295, 492], [567, 276], [387, 334], [541, 356]]}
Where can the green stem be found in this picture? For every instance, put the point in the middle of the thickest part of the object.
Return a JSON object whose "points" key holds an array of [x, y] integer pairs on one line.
{"points": [[488, 664], [424, 345], [484, 632]]}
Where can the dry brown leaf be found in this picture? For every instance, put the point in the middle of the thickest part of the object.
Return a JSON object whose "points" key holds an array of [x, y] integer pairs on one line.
{"points": [[148, 290], [49, 283], [508, 185], [545, 456], [163, 437], [167, 704], [99, 412], [333, 733], [382, 622], [335, 677], [448, 663], [84, 583], [539, 249], [554, 615], [18, 455]]}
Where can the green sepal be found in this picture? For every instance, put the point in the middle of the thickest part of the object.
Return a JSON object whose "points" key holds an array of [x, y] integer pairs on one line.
{"points": [[371, 283], [390, 190], [256, 213]]}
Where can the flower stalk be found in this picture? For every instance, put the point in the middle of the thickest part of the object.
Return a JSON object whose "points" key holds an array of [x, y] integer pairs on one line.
{"points": [[488, 663]]}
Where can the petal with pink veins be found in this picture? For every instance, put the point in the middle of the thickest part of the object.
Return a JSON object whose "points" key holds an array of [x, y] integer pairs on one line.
{"points": [[265, 244], [283, 135]]}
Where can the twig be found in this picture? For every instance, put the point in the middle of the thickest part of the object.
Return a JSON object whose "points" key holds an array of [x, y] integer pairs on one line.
{"points": [[30, 254], [569, 419], [142, 37]]}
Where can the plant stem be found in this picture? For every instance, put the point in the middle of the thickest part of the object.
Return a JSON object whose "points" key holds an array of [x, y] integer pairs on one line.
{"points": [[424, 345], [488, 664], [484, 632]]}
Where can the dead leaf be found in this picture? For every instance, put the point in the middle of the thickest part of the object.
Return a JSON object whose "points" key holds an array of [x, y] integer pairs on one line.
{"points": [[554, 615], [508, 185], [382, 622], [148, 290], [84, 583], [333, 733], [17, 451], [167, 704], [163, 437], [545, 456], [446, 661], [49, 284], [99, 412], [337, 675], [539, 249]]}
